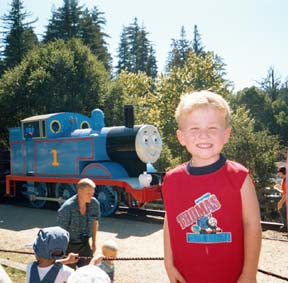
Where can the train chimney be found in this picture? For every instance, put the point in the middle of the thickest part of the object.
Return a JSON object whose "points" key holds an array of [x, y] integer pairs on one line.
{"points": [[129, 116]]}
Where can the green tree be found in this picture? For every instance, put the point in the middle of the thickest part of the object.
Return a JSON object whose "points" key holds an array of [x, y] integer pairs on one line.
{"points": [[92, 35], [280, 126], [271, 84], [137, 90], [180, 49], [135, 52], [257, 150], [64, 23], [57, 77], [259, 106], [197, 46], [19, 37], [73, 21]]}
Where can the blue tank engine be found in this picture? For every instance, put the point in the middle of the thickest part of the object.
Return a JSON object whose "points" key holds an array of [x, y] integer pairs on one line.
{"points": [[50, 153]]}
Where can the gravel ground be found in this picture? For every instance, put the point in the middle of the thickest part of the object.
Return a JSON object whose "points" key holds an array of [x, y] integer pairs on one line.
{"points": [[19, 226]]}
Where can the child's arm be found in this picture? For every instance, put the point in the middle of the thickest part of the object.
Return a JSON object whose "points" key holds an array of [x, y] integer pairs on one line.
{"points": [[70, 259], [96, 259], [252, 232], [172, 272]]}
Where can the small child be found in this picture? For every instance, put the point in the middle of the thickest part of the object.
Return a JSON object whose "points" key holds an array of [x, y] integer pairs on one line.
{"points": [[50, 247], [109, 250], [212, 230]]}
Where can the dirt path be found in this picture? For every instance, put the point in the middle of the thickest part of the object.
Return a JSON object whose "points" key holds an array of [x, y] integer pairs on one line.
{"points": [[19, 226]]}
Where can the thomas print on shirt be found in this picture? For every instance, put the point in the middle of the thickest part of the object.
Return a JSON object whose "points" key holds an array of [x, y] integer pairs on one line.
{"points": [[204, 226]]}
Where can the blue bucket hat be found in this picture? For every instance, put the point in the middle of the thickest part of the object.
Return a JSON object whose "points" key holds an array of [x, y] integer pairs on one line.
{"points": [[51, 243]]}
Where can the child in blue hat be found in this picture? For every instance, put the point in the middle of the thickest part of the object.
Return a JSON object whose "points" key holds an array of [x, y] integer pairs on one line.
{"points": [[50, 248]]}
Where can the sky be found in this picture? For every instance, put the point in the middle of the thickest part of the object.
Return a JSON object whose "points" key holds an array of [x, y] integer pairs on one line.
{"points": [[249, 35]]}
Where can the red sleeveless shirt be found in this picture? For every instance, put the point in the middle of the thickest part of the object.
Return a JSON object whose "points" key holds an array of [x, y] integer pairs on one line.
{"points": [[204, 215]]}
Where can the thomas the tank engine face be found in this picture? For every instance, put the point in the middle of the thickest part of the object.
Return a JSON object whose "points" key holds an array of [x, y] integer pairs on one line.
{"points": [[148, 144]]}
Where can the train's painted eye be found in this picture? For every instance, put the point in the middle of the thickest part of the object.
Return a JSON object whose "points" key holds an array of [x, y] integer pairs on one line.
{"points": [[145, 139], [155, 139]]}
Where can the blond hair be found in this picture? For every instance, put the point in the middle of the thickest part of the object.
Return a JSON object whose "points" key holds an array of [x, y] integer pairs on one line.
{"points": [[202, 99], [85, 182], [110, 244]]}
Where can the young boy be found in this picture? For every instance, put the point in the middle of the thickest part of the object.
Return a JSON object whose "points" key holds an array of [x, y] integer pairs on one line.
{"points": [[109, 250], [50, 247], [212, 229]]}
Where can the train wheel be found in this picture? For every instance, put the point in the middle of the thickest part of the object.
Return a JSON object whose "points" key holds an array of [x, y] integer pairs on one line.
{"points": [[38, 190], [64, 191], [108, 199]]}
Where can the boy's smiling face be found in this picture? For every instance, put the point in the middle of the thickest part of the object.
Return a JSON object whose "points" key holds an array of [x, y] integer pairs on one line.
{"points": [[203, 132]]}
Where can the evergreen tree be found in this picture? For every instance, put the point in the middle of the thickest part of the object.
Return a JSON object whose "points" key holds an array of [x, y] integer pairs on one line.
{"points": [[259, 106], [152, 63], [73, 20], [197, 46], [180, 50], [19, 36], [135, 52], [92, 35], [271, 84], [64, 23], [124, 62]]}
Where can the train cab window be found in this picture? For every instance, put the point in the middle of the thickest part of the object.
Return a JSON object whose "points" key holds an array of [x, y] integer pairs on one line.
{"points": [[34, 129], [31, 130], [44, 128], [55, 126], [84, 125]]}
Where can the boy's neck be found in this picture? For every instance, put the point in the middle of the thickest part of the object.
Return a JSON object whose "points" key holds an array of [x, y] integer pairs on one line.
{"points": [[203, 163], [43, 262], [195, 170]]}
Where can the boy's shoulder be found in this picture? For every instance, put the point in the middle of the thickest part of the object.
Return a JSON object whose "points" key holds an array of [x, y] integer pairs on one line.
{"points": [[234, 166], [180, 169]]}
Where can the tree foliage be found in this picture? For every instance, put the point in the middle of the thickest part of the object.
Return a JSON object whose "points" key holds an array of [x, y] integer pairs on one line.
{"points": [[197, 46], [259, 106], [64, 23], [135, 52], [19, 36], [257, 150], [271, 84], [180, 49], [53, 78], [73, 21], [137, 90]]}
